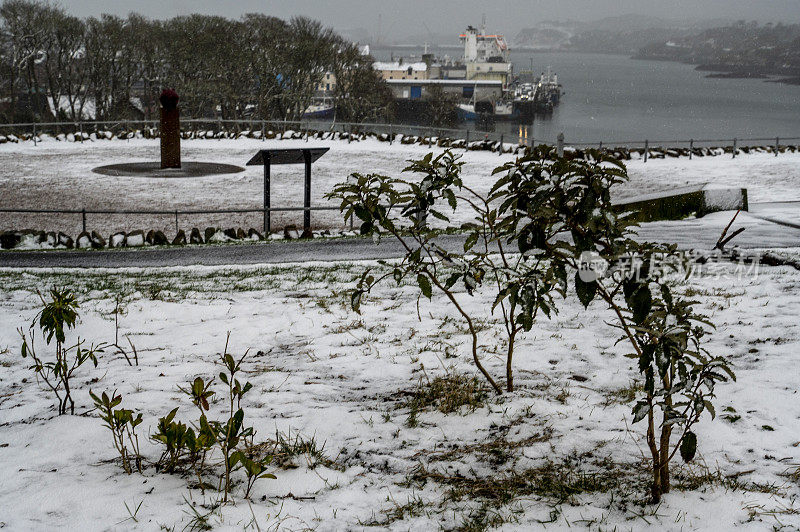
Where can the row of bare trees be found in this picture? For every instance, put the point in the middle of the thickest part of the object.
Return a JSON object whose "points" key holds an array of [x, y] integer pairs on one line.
{"points": [[258, 67]]}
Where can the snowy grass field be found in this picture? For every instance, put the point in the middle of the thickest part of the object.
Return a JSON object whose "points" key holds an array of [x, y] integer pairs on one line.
{"points": [[559, 453], [58, 175], [378, 420]]}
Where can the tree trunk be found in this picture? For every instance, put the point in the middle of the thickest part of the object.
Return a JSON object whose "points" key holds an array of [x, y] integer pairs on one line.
{"points": [[655, 489], [509, 369], [666, 433]]}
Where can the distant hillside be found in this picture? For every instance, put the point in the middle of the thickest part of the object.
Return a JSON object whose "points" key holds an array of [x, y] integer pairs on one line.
{"points": [[624, 34], [739, 50], [546, 35]]}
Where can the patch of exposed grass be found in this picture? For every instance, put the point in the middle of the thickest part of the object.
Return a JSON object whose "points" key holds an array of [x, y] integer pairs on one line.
{"points": [[414, 506], [626, 394], [699, 475], [178, 283], [496, 452], [557, 481], [693, 291], [447, 393], [287, 448]]}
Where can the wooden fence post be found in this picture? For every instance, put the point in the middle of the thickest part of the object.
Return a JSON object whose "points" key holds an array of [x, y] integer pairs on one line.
{"points": [[646, 149], [691, 148]]}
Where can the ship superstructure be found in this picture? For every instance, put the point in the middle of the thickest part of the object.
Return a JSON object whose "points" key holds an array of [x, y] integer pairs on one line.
{"points": [[482, 79], [486, 56]]}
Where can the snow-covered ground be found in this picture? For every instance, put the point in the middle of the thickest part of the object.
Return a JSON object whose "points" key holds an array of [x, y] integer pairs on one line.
{"points": [[560, 450], [59, 175], [323, 372]]}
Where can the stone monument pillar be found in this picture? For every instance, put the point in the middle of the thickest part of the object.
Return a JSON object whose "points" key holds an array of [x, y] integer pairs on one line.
{"points": [[170, 129]]}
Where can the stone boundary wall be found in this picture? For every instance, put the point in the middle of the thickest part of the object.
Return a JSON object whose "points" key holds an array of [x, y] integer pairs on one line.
{"points": [[29, 239], [622, 153]]}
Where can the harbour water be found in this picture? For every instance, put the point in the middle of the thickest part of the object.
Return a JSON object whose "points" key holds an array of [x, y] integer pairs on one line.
{"points": [[614, 98]]}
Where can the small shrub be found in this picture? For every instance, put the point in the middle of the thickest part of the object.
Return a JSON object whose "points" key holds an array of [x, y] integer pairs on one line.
{"points": [[522, 285], [58, 314], [231, 437], [178, 439], [635, 280], [254, 468], [122, 423]]}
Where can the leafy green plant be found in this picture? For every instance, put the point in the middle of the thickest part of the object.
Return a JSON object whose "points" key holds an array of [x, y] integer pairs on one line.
{"points": [[565, 206], [177, 439], [182, 444], [544, 216], [58, 315], [231, 437], [254, 468], [122, 423], [523, 284]]}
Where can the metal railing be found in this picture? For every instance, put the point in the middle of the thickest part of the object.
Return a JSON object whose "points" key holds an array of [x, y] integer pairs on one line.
{"points": [[350, 129], [176, 213]]}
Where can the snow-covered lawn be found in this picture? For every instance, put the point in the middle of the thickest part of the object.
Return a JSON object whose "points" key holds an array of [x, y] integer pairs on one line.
{"points": [[560, 449], [59, 175]]}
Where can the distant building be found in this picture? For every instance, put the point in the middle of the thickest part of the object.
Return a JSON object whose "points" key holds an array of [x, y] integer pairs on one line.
{"points": [[399, 70], [328, 84], [407, 89]]}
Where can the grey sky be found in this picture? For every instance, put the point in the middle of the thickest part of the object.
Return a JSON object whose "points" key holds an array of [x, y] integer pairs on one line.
{"points": [[400, 18]]}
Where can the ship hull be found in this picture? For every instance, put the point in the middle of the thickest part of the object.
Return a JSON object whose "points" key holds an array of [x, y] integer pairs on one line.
{"points": [[313, 113]]}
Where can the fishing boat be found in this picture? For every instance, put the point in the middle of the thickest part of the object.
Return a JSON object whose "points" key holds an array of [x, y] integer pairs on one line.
{"points": [[319, 109], [466, 112]]}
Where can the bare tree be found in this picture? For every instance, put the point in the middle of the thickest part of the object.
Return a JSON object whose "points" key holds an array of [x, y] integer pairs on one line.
{"points": [[63, 62], [441, 106], [307, 58], [24, 28], [258, 66], [147, 42], [360, 94], [106, 64], [267, 38]]}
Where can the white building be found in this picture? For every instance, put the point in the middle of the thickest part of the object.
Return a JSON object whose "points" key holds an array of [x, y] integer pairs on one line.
{"points": [[400, 70]]}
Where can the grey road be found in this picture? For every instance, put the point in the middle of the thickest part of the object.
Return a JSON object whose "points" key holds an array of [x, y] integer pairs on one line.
{"points": [[214, 255], [695, 234]]}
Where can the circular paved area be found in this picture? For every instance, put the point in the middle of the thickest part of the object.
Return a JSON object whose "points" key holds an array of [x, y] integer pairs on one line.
{"points": [[153, 169]]}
